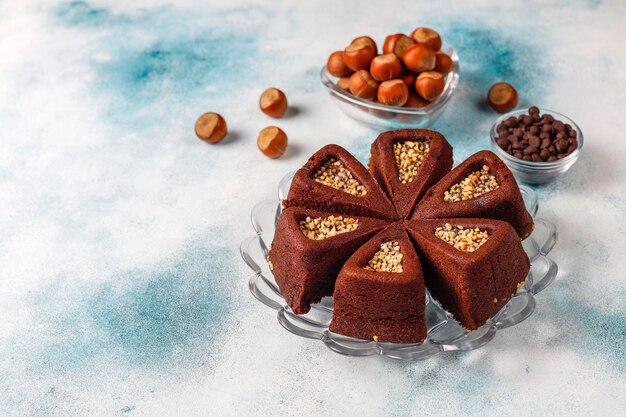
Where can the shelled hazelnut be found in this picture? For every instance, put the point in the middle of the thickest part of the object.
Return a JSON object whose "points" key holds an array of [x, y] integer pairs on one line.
{"points": [[272, 141], [359, 54], [344, 83], [419, 58], [336, 65], [363, 85], [408, 78], [385, 67], [397, 44], [414, 100], [443, 63], [393, 93], [273, 102], [427, 37], [430, 84], [502, 97], [211, 128]]}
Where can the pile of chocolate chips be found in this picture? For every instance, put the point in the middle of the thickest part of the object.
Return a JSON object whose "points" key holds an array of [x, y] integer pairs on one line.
{"points": [[535, 137]]}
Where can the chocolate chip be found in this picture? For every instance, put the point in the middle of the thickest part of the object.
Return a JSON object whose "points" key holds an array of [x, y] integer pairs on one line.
{"points": [[503, 142], [534, 130], [518, 154], [527, 158], [533, 110], [561, 145], [571, 149], [529, 150], [534, 141], [552, 149], [545, 143], [536, 158], [561, 135], [547, 128], [545, 154], [551, 158]]}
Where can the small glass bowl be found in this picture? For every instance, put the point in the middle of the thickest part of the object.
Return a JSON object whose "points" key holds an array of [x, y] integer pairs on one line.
{"points": [[537, 172], [381, 116]]}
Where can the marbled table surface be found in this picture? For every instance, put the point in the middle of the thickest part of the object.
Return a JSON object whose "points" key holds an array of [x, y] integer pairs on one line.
{"points": [[122, 291]]}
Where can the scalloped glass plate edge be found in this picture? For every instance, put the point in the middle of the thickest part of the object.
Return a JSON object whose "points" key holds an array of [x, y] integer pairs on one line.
{"points": [[444, 333]]}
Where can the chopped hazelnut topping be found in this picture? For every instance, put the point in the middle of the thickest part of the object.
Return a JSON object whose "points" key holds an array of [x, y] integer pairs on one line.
{"points": [[387, 259], [409, 158], [495, 300], [476, 184], [375, 338], [322, 228], [465, 240], [335, 175]]}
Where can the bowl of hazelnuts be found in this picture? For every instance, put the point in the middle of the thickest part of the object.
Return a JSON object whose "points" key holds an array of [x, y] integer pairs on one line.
{"points": [[407, 84]]}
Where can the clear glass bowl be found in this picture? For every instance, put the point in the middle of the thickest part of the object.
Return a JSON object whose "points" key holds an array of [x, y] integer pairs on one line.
{"points": [[537, 172], [444, 333], [383, 117]]}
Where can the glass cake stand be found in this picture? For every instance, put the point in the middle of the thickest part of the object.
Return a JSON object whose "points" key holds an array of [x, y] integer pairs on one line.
{"points": [[444, 333]]}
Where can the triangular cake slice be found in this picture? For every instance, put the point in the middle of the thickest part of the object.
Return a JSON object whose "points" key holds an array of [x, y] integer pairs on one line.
{"points": [[482, 186], [471, 266], [333, 180], [380, 294], [309, 249], [408, 162]]}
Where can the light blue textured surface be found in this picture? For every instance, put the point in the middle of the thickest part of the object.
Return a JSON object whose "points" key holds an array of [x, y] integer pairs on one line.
{"points": [[122, 290]]}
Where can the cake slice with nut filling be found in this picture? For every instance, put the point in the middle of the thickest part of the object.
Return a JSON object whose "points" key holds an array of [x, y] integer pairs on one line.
{"points": [[407, 162], [379, 294], [309, 249], [333, 180], [482, 186], [472, 267]]}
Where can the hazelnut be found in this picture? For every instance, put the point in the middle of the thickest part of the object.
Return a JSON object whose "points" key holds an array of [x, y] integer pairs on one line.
{"points": [[211, 128], [408, 77], [419, 58], [443, 63], [397, 44], [363, 85], [427, 37], [502, 97], [344, 83], [393, 93], [368, 40], [336, 66], [359, 55], [273, 102], [415, 101], [272, 141], [385, 67], [429, 85]]}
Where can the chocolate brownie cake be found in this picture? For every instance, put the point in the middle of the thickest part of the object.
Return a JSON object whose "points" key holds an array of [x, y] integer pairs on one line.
{"points": [[309, 249], [334, 180], [379, 293], [465, 230], [471, 266], [408, 162], [482, 186]]}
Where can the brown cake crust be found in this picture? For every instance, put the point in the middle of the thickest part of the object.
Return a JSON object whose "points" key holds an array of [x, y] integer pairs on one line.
{"points": [[504, 203], [305, 270], [473, 286], [306, 192], [383, 167], [384, 306]]}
